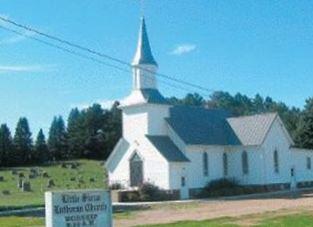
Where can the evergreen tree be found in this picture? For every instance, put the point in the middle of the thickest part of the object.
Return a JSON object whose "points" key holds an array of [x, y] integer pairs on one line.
{"points": [[57, 142], [22, 143], [112, 130], [193, 100], [6, 145], [304, 137], [41, 152], [94, 120], [76, 133]]}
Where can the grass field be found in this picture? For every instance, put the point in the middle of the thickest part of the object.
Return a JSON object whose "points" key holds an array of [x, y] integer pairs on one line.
{"points": [[303, 219], [61, 176], [291, 220]]}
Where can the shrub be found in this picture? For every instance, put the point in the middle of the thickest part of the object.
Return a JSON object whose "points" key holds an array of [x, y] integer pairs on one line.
{"points": [[151, 192], [227, 187], [115, 186], [222, 184], [6, 192]]}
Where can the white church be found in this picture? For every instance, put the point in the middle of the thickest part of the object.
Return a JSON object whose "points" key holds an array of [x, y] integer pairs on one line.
{"points": [[183, 148]]}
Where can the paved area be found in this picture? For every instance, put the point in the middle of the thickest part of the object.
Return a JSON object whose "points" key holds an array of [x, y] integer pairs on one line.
{"points": [[209, 209]]}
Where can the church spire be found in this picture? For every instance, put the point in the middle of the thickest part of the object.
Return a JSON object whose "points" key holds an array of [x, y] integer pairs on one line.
{"points": [[144, 65], [143, 55]]}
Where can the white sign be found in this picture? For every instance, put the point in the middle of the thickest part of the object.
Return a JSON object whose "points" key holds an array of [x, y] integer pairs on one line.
{"points": [[85, 208]]}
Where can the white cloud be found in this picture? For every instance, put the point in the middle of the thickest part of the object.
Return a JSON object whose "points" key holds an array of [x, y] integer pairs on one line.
{"points": [[106, 104], [16, 38], [25, 68], [183, 49]]}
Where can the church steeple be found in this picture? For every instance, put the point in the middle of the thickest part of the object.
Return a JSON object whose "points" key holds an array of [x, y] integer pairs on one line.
{"points": [[143, 55], [144, 65]]}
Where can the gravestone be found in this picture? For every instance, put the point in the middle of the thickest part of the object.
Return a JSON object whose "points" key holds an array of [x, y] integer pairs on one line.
{"points": [[50, 183], [78, 208], [26, 186]]}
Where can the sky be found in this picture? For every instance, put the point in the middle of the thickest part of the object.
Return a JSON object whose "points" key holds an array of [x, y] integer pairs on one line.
{"points": [[245, 46]]}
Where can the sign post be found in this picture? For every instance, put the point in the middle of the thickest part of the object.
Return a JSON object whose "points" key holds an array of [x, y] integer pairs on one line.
{"points": [[78, 208]]}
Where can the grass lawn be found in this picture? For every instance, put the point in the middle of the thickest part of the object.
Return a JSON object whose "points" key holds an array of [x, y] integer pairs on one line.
{"points": [[86, 170], [276, 219], [304, 219], [21, 222]]}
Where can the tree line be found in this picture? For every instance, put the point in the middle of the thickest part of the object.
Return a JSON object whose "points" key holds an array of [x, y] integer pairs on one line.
{"points": [[92, 133]]}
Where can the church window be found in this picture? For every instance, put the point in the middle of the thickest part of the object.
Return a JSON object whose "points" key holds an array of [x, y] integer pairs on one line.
{"points": [[183, 181], [308, 163], [205, 164], [225, 164], [245, 164], [276, 162]]}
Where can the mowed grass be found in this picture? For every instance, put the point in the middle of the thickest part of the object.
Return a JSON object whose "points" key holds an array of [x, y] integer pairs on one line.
{"points": [[86, 170], [304, 219], [21, 221]]}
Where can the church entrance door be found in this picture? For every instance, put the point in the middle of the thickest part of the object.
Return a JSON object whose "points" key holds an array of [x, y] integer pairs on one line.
{"points": [[136, 170]]}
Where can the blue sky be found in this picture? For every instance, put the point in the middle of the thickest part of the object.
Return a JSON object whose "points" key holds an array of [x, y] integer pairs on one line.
{"points": [[243, 46]]}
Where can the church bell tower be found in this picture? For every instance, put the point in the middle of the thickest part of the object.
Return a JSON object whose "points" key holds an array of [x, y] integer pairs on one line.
{"points": [[144, 68]]}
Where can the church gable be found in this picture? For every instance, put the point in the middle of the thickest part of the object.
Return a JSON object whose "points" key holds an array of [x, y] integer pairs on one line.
{"points": [[252, 130]]}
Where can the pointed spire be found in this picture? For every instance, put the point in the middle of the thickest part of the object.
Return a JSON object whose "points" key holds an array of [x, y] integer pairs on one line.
{"points": [[143, 53]]}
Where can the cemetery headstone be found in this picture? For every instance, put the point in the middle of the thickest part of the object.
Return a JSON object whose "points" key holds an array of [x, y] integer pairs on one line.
{"points": [[78, 208], [50, 183], [26, 186]]}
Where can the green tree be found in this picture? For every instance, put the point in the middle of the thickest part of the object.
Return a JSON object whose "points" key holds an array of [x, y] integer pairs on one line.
{"points": [[193, 100], [112, 130], [6, 145], [304, 137], [57, 142], [94, 120], [22, 143], [41, 152], [76, 133]]}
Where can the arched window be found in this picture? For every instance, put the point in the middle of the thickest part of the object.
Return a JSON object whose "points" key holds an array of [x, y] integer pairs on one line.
{"points": [[276, 162], [225, 164], [244, 161], [205, 164], [308, 163]]}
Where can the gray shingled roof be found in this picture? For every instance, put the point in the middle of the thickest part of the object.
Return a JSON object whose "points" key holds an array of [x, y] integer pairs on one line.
{"points": [[153, 96], [167, 148], [252, 130], [200, 126], [143, 53]]}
